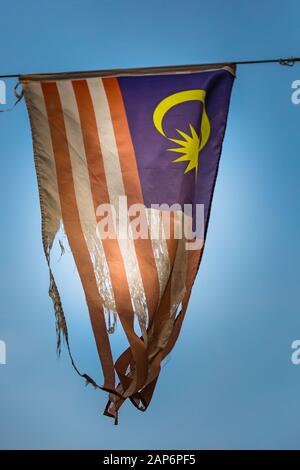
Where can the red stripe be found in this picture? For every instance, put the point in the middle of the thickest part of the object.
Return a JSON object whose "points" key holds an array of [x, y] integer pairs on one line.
{"points": [[111, 246], [133, 189], [73, 229]]}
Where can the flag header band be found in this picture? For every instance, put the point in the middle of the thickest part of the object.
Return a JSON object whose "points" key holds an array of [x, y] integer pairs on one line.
{"points": [[230, 67]]}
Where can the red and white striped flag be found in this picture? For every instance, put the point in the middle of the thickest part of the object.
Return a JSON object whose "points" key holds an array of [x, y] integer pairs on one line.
{"points": [[100, 142]]}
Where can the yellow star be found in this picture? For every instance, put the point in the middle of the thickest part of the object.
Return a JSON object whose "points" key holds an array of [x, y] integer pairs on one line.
{"points": [[189, 147]]}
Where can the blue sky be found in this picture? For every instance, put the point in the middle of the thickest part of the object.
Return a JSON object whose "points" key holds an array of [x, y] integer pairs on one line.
{"points": [[232, 382]]}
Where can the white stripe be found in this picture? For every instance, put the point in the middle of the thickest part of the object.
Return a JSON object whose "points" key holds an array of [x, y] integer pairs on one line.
{"points": [[159, 247], [178, 288], [83, 192], [44, 160], [116, 189]]}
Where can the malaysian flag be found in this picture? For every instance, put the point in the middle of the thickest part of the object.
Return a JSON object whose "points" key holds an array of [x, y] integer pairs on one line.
{"points": [[145, 139]]}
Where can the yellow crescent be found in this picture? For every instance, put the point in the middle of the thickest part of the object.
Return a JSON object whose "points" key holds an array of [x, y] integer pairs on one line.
{"points": [[180, 97]]}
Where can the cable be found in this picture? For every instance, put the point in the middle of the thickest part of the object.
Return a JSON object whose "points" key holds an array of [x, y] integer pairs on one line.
{"points": [[287, 61]]}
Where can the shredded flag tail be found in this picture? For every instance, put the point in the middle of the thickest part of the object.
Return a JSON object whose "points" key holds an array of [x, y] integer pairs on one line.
{"points": [[103, 161]]}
